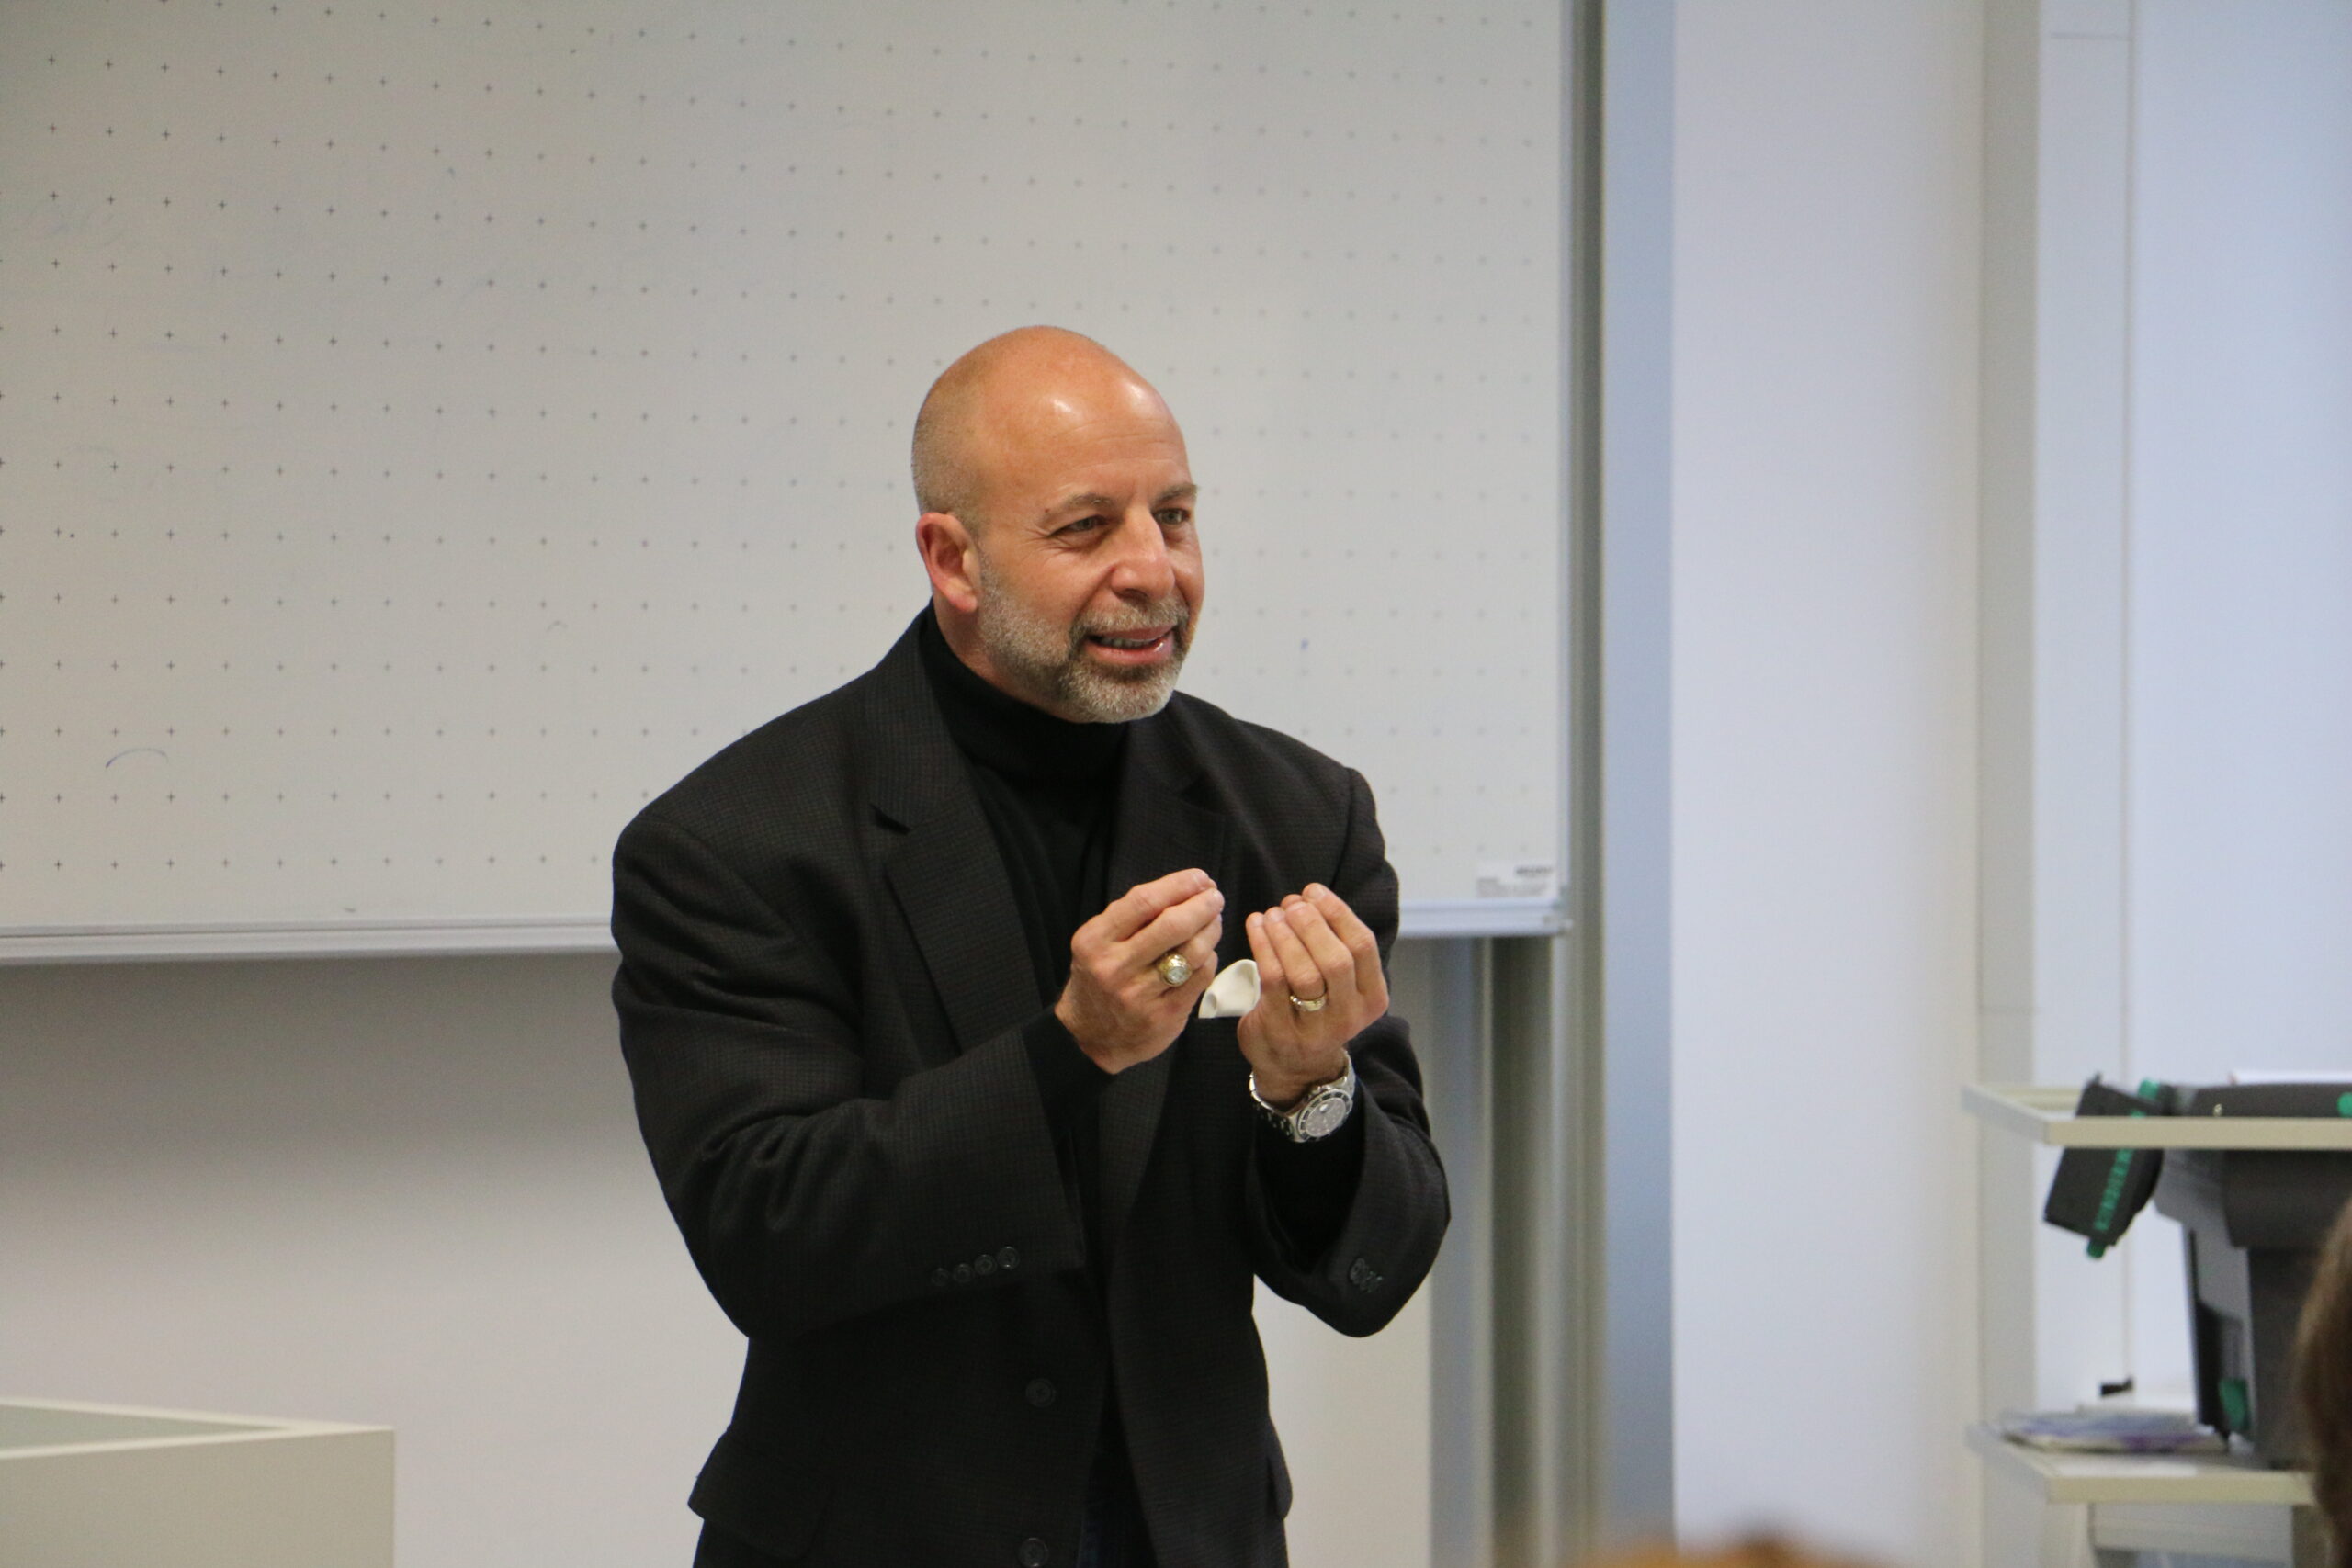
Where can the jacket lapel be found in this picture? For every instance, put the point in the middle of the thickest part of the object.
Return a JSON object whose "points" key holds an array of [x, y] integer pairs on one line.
{"points": [[1158, 830], [947, 875]]}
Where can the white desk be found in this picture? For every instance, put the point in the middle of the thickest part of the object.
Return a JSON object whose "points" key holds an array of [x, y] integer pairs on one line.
{"points": [[110, 1486]]}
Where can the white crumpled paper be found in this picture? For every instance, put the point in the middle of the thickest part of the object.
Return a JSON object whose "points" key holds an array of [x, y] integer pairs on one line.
{"points": [[1233, 992]]}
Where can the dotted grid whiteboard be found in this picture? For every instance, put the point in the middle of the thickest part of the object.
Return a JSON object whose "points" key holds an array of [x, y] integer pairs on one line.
{"points": [[428, 430]]}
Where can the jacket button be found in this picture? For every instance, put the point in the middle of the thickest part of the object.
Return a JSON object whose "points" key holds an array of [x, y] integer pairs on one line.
{"points": [[984, 1265], [1041, 1393], [1035, 1553], [963, 1273], [1007, 1259]]}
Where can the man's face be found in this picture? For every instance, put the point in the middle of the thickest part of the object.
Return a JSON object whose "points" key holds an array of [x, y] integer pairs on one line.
{"points": [[1088, 569]]}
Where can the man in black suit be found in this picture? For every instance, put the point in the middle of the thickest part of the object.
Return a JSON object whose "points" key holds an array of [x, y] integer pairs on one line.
{"points": [[934, 1109]]}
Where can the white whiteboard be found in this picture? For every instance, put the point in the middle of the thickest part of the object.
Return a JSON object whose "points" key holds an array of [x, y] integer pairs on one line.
{"points": [[427, 430]]}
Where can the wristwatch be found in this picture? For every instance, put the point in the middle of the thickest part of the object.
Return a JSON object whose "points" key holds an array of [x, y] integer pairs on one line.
{"points": [[1322, 1111]]}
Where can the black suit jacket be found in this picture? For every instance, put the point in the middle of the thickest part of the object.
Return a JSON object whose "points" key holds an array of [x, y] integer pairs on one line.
{"points": [[822, 986]]}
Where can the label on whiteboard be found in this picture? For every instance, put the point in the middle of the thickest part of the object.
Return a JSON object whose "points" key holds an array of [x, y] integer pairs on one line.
{"points": [[1516, 879]]}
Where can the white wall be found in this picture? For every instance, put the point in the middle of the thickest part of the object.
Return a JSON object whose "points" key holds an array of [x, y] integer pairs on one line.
{"points": [[382, 1190], [410, 1191], [2239, 577], [1826, 161], [1355, 1419]]}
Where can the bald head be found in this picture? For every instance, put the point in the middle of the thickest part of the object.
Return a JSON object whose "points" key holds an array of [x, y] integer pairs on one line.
{"points": [[1001, 397]]}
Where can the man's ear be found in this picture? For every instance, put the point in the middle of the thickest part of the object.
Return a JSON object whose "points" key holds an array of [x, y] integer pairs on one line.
{"points": [[948, 554]]}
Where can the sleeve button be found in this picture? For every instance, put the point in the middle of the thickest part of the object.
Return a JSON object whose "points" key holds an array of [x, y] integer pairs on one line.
{"points": [[1007, 1258], [939, 1278], [1041, 1393], [963, 1273], [984, 1265], [1035, 1553]]}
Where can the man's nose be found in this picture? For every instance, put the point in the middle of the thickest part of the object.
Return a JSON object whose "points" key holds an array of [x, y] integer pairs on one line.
{"points": [[1145, 570]]}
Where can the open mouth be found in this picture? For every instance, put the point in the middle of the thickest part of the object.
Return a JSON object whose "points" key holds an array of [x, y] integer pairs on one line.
{"points": [[1135, 646]]}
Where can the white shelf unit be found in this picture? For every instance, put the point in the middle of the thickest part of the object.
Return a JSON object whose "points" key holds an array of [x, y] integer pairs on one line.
{"points": [[2229, 1480], [2099, 1510], [2046, 1115]]}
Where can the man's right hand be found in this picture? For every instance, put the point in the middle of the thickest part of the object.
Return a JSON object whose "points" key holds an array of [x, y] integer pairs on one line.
{"points": [[1116, 1006]]}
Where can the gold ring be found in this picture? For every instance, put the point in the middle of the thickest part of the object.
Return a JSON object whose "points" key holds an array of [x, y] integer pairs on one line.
{"points": [[1308, 1004], [1174, 968]]}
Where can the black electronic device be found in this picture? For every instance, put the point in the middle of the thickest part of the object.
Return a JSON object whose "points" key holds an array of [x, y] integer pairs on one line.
{"points": [[2096, 1193], [2253, 1220]]}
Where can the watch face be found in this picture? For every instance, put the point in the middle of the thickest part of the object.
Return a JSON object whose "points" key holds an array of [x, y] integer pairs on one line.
{"points": [[1322, 1117]]}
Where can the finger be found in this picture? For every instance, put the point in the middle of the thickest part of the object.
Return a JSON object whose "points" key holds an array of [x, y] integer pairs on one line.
{"points": [[1201, 953], [1305, 977], [1363, 947], [1136, 908], [1349, 927], [1273, 1011], [1330, 955], [1172, 928]]}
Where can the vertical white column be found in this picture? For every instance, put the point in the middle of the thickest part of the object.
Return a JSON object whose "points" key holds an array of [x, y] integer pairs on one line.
{"points": [[2055, 620], [1826, 165], [2081, 630]]}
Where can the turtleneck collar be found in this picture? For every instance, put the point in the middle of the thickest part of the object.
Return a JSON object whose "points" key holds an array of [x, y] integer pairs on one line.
{"points": [[1004, 733]]}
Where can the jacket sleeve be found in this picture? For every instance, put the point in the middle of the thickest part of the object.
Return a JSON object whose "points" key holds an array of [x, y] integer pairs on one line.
{"points": [[1398, 1214], [803, 1201]]}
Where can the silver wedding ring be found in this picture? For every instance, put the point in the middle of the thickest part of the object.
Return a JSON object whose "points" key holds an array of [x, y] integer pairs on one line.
{"points": [[1308, 1004], [1174, 968]]}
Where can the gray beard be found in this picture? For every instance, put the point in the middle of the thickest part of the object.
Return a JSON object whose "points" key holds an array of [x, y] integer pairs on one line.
{"points": [[1050, 668]]}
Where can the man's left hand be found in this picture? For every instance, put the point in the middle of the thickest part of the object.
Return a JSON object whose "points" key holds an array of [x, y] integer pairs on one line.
{"points": [[1310, 945]]}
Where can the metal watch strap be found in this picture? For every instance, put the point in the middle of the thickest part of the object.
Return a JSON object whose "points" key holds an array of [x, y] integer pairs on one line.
{"points": [[1295, 1124]]}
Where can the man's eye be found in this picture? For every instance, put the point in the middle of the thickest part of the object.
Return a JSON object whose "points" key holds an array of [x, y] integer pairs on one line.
{"points": [[1174, 517], [1082, 525]]}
